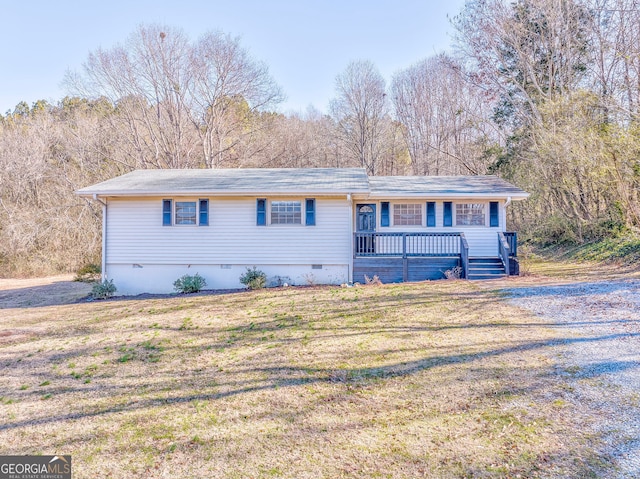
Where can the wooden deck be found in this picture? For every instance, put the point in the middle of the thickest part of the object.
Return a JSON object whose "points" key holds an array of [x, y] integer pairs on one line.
{"points": [[400, 257], [399, 270]]}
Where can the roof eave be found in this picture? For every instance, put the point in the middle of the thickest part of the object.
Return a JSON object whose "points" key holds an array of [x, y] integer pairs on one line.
{"points": [[389, 195], [147, 194]]}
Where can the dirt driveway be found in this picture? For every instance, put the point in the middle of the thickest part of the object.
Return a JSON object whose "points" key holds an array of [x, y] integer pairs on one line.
{"points": [[35, 292]]}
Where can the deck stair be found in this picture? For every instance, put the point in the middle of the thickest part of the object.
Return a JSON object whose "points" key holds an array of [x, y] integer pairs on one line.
{"points": [[485, 268]]}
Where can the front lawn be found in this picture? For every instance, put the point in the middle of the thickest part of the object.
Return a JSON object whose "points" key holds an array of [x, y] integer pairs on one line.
{"points": [[435, 379]]}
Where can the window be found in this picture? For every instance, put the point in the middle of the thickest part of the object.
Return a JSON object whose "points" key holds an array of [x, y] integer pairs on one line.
{"points": [[286, 212], [407, 214], [470, 214], [185, 212]]}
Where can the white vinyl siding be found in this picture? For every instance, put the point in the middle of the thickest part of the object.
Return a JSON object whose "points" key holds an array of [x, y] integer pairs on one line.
{"points": [[136, 235]]}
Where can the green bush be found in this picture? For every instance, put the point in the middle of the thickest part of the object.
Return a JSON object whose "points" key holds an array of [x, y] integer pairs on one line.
{"points": [[556, 230], [103, 290], [189, 284], [254, 278], [89, 273]]}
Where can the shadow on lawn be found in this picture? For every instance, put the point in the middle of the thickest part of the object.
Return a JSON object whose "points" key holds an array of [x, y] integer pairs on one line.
{"points": [[53, 294], [287, 376]]}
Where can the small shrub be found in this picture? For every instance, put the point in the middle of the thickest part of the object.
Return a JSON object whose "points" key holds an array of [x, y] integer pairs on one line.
{"points": [[103, 290], [89, 273], [254, 278], [453, 273], [189, 284], [375, 281]]}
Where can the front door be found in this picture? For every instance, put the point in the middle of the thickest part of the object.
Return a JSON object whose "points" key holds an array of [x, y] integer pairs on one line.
{"points": [[366, 226]]}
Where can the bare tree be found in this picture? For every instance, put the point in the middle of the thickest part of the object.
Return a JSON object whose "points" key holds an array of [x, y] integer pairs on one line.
{"points": [[525, 52], [567, 81], [446, 119], [614, 65], [229, 91], [360, 110], [181, 104]]}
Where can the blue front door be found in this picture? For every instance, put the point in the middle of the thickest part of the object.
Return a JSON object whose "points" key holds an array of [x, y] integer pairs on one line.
{"points": [[366, 227]]}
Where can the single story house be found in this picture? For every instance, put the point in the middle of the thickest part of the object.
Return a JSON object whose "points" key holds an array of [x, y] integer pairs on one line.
{"points": [[300, 226]]}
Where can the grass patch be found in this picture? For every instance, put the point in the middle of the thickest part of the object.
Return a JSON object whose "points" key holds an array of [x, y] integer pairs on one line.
{"points": [[438, 379], [623, 250]]}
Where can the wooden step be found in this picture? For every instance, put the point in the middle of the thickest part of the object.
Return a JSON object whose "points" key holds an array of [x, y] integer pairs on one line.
{"points": [[485, 268]]}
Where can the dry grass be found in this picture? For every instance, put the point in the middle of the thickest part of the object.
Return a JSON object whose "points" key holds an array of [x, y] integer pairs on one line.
{"points": [[440, 379]]}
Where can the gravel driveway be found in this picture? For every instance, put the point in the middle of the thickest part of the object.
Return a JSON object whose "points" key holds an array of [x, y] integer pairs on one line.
{"points": [[602, 362]]}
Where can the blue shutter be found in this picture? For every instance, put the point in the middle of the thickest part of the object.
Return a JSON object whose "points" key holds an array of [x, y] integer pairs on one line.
{"points": [[384, 213], [261, 208], [448, 213], [431, 213], [310, 211], [493, 214], [204, 212], [166, 212]]}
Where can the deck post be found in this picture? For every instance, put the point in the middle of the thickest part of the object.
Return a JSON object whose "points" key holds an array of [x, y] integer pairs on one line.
{"points": [[464, 256], [505, 252], [355, 245], [405, 260]]}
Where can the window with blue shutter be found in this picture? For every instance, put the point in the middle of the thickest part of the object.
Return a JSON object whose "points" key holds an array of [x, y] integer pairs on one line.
{"points": [[204, 212], [261, 212], [448, 214], [384, 213], [431, 213], [310, 211], [166, 212], [493, 214]]}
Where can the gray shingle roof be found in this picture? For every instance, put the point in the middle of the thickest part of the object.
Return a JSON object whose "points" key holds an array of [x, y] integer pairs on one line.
{"points": [[442, 186], [234, 181], [265, 181]]}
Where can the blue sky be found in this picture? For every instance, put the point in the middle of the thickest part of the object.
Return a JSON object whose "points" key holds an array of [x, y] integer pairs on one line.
{"points": [[306, 44]]}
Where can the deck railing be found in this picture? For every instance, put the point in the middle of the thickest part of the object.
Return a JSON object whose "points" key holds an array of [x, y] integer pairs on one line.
{"points": [[504, 250], [512, 240], [464, 255], [406, 244]]}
